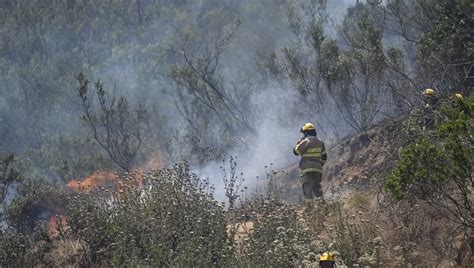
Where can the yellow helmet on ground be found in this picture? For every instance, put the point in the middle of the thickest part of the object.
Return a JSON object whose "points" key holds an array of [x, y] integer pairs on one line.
{"points": [[307, 127], [458, 97], [428, 92], [327, 256]]}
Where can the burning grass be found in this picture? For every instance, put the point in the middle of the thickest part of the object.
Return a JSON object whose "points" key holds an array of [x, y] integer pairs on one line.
{"points": [[96, 179]]}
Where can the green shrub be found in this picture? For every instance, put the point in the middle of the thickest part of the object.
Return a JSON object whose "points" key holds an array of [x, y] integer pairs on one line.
{"points": [[437, 167], [13, 247], [170, 220]]}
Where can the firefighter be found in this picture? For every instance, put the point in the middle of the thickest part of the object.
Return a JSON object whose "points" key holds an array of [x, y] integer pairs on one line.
{"points": [[457, 101], [327, 260], [429, 97], [313, 156], [429, 109]]}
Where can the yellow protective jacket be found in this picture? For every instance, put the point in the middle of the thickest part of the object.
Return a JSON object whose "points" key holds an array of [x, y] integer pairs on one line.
{"points": [[313, 154]]}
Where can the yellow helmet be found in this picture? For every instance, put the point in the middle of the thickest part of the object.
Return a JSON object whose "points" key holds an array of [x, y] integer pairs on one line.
{"points": [[428, 92], [458, 97], [327, 256], [307, 126]]}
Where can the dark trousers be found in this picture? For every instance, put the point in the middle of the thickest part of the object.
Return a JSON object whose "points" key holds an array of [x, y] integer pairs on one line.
{"points": [[311, 182], [327, 264]]}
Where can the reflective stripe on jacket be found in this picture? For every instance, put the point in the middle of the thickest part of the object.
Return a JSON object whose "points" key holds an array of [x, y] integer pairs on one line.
{"points": [[313, 154]]}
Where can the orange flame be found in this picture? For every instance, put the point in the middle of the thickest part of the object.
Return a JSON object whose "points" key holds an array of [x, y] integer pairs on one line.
{"points": [[107, 178], [56, 223], [96, 179]]}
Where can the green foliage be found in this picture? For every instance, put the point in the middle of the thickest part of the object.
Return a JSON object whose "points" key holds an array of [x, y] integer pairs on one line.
{"points": [[438, 166], [13, 247], [447, 47]]}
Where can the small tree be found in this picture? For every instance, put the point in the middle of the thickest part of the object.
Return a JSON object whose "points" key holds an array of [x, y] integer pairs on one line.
{"points": [[117, 129], [355, 75], [200, 75], [215, 106], [438, 166]]}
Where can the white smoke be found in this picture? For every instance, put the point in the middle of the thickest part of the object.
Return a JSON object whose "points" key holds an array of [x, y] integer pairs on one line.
{"points": [[271, 149]]}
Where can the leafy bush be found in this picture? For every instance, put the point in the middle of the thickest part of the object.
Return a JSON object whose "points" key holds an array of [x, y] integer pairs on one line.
{"points": [[438, 166], [13, 246], [171, 220]]}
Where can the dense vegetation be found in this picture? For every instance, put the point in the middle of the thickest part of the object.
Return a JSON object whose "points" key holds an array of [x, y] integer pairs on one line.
{"points": [[437, 165], [90, 87]]}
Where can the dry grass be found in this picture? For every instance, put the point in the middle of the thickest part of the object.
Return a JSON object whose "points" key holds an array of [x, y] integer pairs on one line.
{"points": [[240, 230], [239, 233], [372, 232], [67, 252]]}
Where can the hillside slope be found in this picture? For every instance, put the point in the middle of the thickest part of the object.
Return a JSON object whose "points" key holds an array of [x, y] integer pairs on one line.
{"points": [[412, 230]]}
